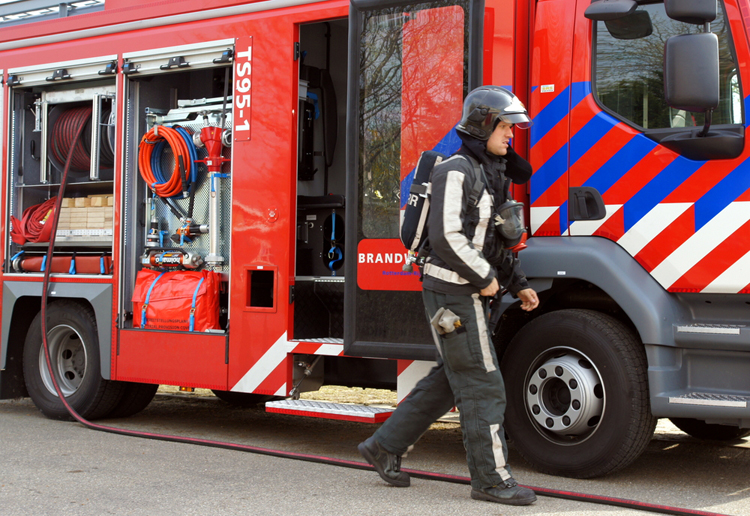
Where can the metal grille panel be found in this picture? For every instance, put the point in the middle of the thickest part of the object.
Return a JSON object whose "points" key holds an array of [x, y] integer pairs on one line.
{"points": [[168, 222]]}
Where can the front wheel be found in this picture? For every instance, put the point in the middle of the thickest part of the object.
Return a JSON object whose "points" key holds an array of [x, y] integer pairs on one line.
{"points": [[577, 391], [74, 352]]}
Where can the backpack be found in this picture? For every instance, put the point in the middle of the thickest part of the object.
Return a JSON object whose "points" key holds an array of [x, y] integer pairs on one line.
{"points": [[413, 230]]}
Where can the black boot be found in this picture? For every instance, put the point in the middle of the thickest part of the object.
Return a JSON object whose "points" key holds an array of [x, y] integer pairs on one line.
{"points": [[388, 465], [509, 493]]}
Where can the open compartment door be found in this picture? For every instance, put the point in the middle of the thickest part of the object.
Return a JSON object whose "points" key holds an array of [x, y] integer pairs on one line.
{"points": [[411, 65]]}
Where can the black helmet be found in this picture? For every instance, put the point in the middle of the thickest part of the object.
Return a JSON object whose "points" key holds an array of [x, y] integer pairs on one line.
{"points": [[487, 105]]}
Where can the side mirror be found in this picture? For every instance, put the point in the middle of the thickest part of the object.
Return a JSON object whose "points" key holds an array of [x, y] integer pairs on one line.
{"points": [[697, 12], [603, 10], [691, 71], [635, 25]]}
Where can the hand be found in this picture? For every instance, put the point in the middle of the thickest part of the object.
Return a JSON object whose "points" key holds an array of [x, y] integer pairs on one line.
{"points": [[529, 299], [491, 289]]}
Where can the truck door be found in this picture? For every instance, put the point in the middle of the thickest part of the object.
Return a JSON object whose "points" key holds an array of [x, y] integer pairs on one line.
{"points": [[670, 198], [411, 65], [549, 102]]}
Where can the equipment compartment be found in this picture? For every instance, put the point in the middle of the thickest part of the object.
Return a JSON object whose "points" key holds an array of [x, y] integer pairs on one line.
{"points": [[321, 183], [177, 185], [45, 119]]}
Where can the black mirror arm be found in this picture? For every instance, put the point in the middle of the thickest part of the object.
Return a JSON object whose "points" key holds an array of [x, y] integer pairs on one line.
{"points": [[707, 123]]}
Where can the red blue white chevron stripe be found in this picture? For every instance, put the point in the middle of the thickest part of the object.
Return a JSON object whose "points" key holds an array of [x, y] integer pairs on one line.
{"points": [[686, 222]]}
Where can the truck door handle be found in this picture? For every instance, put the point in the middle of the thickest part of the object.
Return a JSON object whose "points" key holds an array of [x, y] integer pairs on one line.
{"points": [[585, 203]]}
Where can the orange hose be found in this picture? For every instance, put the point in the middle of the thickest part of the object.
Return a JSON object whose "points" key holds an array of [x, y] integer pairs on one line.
{"points": [[179, 148]]}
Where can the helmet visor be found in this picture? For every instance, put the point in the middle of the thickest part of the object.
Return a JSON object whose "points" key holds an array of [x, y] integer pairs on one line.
{"points": [[520, 120]]}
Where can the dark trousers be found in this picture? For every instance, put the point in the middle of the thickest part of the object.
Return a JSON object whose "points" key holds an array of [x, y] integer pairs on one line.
{"points": [[467, 375]]}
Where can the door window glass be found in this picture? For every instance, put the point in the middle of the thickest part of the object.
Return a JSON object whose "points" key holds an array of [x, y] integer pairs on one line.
{"points": [[412, 78], [629, 70]]}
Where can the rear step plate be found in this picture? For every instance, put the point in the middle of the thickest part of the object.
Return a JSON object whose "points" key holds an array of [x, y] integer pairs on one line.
{"points": [[326, 410]]}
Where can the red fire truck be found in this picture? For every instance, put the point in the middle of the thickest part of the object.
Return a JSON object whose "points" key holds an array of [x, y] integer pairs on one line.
{"points": [[235, 176]]}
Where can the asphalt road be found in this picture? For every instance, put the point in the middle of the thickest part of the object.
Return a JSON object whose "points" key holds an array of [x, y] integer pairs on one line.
{"points": [[51, 467]]}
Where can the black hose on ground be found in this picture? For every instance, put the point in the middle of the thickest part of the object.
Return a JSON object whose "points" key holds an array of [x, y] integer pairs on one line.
{"points": [[554, 493]]}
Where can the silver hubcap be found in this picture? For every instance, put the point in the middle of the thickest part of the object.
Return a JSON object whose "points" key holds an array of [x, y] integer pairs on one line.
{"points": [[68, 356], [565, 395]]}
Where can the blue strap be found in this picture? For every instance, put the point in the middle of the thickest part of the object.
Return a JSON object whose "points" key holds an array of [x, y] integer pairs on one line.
{"points": [[148, 297], [192, 307], [44, 263], [19, 253], [72, 269], [312, 96], [334, 253], [214, 176], [102, 268]]}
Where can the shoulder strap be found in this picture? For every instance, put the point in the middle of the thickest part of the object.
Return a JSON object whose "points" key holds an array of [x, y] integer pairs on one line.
{"points": [[479, 183]]}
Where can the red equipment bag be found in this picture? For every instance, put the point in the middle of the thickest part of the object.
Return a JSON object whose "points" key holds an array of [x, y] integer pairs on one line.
{"points": [[176, 300]]}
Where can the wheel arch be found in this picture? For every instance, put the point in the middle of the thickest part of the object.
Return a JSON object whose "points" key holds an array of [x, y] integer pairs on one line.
{"points": [[593, 273], [23, 311], [22, 301]]}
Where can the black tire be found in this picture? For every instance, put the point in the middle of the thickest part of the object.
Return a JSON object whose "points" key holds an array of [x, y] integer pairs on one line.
{"points": [[242, 399], [702, 430], [135, 398], [577, 391], [74, 352]]}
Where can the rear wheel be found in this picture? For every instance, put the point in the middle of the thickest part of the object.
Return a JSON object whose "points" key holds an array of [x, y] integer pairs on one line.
{"points": [[578, 401], [241, 399], [135, 398], [74, 352], [702, 430]]}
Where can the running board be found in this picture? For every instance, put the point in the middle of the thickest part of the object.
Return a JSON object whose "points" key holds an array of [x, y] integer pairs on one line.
{"points": [[327, 410], [710, 400]]}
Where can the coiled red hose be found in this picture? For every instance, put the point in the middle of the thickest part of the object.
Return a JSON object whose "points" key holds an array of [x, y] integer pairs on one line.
{"points": [[65, 136], [177, 182], [35, 224]]}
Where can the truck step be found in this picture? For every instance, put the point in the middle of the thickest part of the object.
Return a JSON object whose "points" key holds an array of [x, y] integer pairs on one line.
{"points": [[710, 400], [327, 410]]}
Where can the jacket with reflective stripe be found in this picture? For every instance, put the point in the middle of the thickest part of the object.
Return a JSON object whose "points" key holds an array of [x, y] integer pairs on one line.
{"points": [[458, 232]]}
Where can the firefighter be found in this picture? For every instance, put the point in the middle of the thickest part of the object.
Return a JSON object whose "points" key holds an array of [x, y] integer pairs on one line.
{"points": [[471, 257]]}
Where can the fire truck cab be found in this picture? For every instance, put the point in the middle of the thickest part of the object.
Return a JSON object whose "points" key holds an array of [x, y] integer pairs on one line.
{"points": [[234, 180]]}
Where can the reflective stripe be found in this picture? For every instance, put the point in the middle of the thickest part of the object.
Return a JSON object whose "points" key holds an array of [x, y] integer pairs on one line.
{"points": [[422, 224], [443, 274], [484, 341], [453, 201], [497, 452], [485, 211]]}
